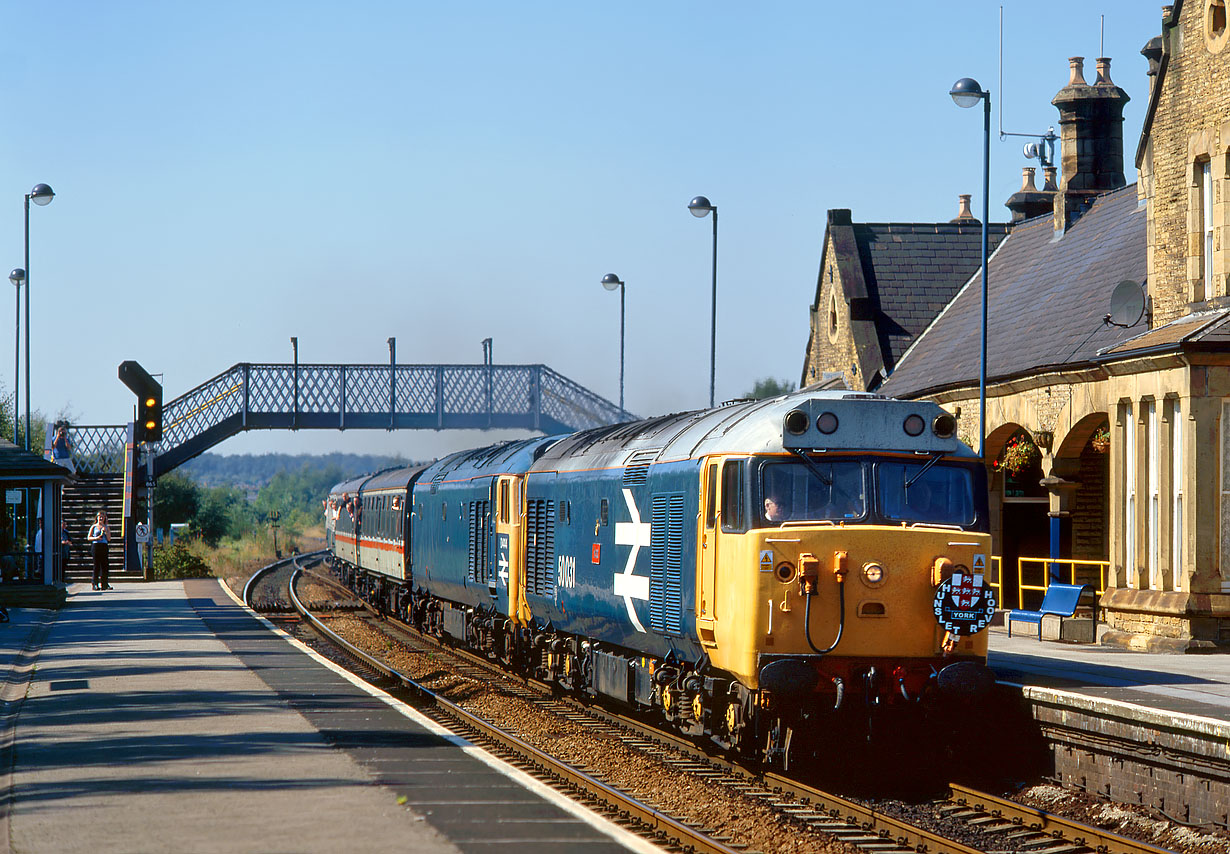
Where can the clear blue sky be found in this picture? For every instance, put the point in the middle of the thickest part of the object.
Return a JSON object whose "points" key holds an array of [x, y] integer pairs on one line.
{"points": [[231, 174]]}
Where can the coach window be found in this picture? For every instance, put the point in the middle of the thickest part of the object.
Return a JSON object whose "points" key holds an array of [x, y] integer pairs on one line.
{"points": [[732, 496], [604, 512]]}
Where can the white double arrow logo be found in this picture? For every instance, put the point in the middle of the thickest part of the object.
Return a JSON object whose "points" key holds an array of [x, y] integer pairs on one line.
{"points": [[626, 584]]}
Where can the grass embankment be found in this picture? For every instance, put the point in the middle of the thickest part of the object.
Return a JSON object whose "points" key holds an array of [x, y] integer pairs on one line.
{"points": [[234, 559]]}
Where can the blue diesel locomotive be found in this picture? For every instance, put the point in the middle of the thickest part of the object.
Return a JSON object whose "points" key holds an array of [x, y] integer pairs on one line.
{"points": [[756, 574]]}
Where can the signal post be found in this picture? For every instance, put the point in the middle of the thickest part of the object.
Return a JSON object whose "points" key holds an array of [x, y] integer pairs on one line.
{"points": [[144, 431]]}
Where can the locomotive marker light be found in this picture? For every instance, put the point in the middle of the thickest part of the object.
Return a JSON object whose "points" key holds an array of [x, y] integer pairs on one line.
{"points": [[873, 574]]}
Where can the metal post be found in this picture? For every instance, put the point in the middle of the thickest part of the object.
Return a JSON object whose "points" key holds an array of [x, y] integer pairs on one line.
{"points": [[27, 443], [621, 350], [342, 408], [392, 382], [17, 367], [986, 212], [149, 513], [713, 330], [294, 418], [487, 360]]}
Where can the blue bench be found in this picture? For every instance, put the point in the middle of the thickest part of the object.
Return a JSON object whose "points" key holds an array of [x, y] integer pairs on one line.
{"points": [[1061, 600]]}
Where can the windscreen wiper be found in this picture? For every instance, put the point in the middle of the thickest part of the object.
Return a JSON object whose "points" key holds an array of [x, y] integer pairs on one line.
{"points": [[923, 470], [815, 469]]}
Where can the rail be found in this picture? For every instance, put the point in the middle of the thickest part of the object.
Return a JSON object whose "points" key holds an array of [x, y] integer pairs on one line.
{"points": [[1047, 824], [655, 822]]}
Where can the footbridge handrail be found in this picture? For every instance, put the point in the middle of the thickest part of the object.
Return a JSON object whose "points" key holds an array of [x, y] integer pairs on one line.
{"points": [[262, 396]]}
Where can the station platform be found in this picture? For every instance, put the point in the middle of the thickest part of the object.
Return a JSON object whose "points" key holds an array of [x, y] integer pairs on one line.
{"points": [[166, 717], [1194, 685]]}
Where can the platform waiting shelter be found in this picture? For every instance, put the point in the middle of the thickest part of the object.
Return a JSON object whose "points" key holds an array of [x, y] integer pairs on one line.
{"points": [[30, 521]]}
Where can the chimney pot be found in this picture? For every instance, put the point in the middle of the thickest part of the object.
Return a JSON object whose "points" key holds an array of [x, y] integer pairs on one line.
{"points": [[1076, 65], [1027, 180], [1048, 180], [1104, 72], [964, 214]]}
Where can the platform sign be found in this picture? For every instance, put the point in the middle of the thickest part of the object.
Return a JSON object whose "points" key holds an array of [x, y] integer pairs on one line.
{"points": [[964, 604], [141, 532]]}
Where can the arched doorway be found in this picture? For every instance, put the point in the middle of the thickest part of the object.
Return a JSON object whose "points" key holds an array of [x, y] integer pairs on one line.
{"points": [[1083, 459], [1024, 529]]}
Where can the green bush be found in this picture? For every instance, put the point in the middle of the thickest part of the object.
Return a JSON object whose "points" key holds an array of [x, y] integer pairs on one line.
{"points": [[178, 561]]}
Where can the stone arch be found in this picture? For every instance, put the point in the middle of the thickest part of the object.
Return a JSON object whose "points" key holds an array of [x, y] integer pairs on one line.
{"points": [[1073, 444], [998, 438], [1081, 482]]}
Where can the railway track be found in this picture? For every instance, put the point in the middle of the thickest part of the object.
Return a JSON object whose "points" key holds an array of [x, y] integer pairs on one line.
{"points": [[995, 824]]}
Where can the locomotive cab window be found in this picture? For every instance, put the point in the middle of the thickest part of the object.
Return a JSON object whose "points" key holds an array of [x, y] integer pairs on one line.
{"points": [[733, 496], [504, 503], [910, 492], [827, 490]]}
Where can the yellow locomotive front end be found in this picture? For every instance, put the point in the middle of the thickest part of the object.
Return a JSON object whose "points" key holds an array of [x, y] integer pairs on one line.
{"points": [[845, 574]]}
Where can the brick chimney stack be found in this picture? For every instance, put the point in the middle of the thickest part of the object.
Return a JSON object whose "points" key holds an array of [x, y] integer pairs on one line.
{"points": [[1090, 139]]}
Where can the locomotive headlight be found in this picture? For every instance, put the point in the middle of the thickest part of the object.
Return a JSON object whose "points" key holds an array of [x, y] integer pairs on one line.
{"points": [[873, 574]]}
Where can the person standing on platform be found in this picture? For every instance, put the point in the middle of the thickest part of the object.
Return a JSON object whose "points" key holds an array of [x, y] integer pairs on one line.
{"points": [[61, 449], [99, 535]]}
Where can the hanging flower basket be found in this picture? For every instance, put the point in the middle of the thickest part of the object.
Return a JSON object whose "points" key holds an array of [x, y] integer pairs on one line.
{"points": [[1100, 440], [1017, 456]]}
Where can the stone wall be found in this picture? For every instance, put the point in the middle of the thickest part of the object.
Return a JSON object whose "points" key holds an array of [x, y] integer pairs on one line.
{"points": [[1191, 125], [832, 346], [1090, 537]]}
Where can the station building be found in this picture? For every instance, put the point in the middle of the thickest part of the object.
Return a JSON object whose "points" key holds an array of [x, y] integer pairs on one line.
{"points": [[1110, 444]]}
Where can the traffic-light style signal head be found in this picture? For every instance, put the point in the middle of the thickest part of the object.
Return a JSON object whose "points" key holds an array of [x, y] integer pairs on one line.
{"points": [[148, 426]]}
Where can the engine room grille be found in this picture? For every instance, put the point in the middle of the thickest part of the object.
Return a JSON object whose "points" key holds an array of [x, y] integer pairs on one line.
{"points": [[666, 563], [636, 472], [480, 558], [540, 547]]}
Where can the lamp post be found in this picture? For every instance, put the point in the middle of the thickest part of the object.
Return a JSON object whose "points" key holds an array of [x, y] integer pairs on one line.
{"points": [[700, 207], [966, 92], [17, 277], [42, 195], [610, 281]]}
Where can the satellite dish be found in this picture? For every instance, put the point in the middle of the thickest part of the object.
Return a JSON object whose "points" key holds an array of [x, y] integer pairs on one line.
{"points": [[1127, 304], [1031, 150]]}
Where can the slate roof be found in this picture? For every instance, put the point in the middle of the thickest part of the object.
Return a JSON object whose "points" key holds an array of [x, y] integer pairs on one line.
{"points": [[18, 463], [913, 270], [1203, 330], [1048, 296]]}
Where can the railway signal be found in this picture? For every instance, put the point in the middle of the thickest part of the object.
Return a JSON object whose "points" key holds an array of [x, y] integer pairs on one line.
{"points": [[148, 426]]}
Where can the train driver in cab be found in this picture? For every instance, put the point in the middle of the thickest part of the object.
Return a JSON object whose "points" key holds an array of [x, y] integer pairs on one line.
{"points": [[776, 507]]}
